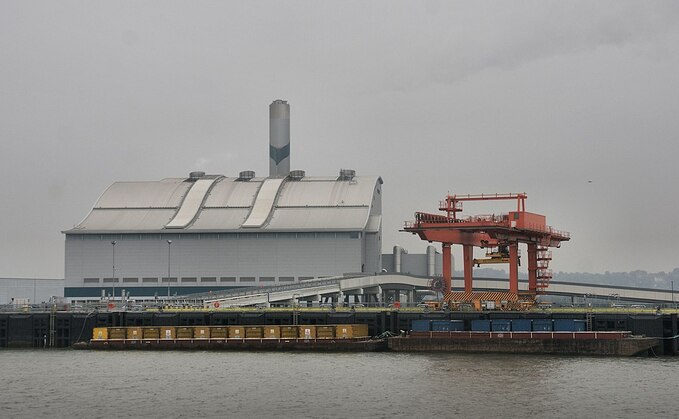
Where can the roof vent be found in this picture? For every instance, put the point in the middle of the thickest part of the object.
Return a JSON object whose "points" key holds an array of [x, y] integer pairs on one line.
{"points": [[246, 175], [347, 174], [297, 174], [196, 175]]}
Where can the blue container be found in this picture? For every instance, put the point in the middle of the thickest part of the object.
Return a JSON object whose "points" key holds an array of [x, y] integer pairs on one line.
{"points": [[569, 325], [447, 325], [542, 325], [421, 326], [564, 325], [522, 325], [501, 325], [480, 325]]}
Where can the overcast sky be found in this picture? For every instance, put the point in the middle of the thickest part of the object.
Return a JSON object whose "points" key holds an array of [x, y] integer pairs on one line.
{"points": [[434, 96]]}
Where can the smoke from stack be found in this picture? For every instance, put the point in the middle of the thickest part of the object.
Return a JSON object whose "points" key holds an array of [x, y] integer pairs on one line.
{"points": [[279, 139]]}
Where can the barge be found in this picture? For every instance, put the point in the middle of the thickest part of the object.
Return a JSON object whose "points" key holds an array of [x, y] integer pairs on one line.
{"points": [[315, 345], [547, 343], [344, 338], [355, 338]]}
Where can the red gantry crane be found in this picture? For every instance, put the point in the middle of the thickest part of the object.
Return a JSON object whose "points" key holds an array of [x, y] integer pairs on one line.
{"points": [[499, 234]]}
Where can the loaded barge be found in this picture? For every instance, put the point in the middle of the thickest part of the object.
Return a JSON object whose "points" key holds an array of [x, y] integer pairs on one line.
{"points": [[341, 338], [354, 338]]}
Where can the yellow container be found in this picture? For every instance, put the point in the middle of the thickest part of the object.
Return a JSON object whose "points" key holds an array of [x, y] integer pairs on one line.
{"points": [[185, 333], [272, 332], [344, 331], [325, 332], [236, 332], [201, 332], [361, 331], [218, 332], [350, 331], [167, 332], [306, 332], [100, 333], [134, 333], [117, 333], [253, 332], [151, 333], [289, 332]]}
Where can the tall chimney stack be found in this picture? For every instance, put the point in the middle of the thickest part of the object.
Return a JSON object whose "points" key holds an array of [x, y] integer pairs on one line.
{"points": [[279, 139]]}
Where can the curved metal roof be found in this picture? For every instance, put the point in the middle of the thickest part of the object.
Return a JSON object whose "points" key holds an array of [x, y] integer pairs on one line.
{"points": [[225, 204], [167, 193]]}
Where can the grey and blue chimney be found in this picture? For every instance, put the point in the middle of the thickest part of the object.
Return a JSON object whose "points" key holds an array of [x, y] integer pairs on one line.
{"points": [[279, 139]]}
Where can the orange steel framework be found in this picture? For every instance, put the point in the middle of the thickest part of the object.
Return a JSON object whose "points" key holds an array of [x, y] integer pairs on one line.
{"points": [[490, 231]]}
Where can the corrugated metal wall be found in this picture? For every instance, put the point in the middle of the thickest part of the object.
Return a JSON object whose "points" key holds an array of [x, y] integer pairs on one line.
{"points": [[234, 258], [373, 252]]}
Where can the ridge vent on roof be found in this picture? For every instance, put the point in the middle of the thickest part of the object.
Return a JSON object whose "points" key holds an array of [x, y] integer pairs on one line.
{"points": [[297, 174], [346, 174], [246, 175]]}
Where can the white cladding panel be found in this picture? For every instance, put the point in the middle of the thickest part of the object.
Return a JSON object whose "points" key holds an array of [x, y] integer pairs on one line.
{"points": [[230, 192], [263, 203], [191, 204], [329, 218], [211, 219], [373, 252], [374, 224], [250, 255], [326, 192], [167, 193], [126, 220]]}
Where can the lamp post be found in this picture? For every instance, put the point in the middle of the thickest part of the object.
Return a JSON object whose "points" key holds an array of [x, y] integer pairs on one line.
{"points": [[672, 282], [169, 246], [113, 270]]}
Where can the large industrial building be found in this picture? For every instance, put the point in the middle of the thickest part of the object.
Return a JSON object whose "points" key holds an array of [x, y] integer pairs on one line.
{"points": [[210, 232]]}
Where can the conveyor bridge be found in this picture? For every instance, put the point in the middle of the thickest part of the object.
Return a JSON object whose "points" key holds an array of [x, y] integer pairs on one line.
{"points": [[384, 288]]}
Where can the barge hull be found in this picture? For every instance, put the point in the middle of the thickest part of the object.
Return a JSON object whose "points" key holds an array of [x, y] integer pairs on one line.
{"points": [[316, 345], [593, 347]]}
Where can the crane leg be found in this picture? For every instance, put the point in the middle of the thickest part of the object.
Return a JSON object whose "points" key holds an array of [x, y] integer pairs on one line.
{"points": [[514, 268], [468, 256], [447, 274]]}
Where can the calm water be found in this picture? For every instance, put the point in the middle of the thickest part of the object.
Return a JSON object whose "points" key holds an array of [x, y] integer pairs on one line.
{"points": [[90, 384]]}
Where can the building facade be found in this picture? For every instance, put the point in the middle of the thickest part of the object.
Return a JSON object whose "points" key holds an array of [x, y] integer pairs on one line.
{"points": [[211, 232]]}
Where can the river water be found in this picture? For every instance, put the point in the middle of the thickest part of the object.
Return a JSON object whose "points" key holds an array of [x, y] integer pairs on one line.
{"points": [[92, 384]]}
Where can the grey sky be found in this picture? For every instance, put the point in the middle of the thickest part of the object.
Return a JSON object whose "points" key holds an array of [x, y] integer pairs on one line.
{"points": [[466, 97]]}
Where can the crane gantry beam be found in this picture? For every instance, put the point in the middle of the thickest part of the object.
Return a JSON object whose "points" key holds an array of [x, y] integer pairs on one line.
{"points": [[490, 231]]}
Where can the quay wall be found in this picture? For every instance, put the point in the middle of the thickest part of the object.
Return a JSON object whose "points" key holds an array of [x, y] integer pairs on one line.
{"points": [[63, 329]]}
